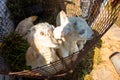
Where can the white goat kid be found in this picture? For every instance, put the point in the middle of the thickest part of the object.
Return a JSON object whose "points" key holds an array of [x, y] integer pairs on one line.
{"points": [[43, 45], [61, 22], [24, 26], [70, 31], [67, 41]]}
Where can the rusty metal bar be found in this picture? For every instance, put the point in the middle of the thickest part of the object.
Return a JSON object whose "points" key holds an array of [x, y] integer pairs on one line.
{"points": [[94, 41], [108, 16]]}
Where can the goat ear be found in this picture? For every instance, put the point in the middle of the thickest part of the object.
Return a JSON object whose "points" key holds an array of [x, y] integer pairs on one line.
{"points": [[61, 19], [32, 18]]}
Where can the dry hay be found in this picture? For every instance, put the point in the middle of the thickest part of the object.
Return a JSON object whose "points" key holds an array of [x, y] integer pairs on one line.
{"points": [[74, 9]]}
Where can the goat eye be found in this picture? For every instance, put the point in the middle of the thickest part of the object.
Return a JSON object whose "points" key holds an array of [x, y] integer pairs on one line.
{"points": [[28, 31], [82, 32], [75, 23], [41, 33]]}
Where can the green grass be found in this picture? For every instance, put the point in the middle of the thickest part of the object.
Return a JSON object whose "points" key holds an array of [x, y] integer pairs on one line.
{"points": [[13, 51]]}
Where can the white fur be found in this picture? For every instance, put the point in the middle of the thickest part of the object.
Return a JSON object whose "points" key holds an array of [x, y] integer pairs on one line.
{"points": [[70, 31], [33, 58], [61, 22], [68, 45], [43, 45]]}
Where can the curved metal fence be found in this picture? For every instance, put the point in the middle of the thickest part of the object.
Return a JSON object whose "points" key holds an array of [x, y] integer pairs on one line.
{"points": [[101, 16]]}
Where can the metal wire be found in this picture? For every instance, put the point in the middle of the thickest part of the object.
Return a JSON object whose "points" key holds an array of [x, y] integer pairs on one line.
{"points": [[102, 16]]}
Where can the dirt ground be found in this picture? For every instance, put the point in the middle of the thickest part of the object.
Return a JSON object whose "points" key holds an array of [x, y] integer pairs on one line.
{"points": [[111, 43]]}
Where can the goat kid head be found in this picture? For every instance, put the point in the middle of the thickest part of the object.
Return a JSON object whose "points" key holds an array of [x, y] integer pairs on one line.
{"points": [[81, 26], [74, 26], [42, 35]]}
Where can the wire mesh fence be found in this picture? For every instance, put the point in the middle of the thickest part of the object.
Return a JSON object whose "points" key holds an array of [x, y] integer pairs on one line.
{"points": [[101, 16]]}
